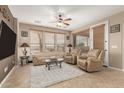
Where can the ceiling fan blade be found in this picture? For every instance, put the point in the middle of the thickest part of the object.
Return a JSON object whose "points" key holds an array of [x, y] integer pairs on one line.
{"points": [[68, 19], [60, 19], [66, 24]]}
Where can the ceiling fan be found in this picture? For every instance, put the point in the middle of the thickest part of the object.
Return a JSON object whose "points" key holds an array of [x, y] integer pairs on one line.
{"points": [[61, 21]]}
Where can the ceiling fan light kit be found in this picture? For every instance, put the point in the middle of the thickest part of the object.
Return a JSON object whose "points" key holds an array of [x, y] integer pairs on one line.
{"points": [[59, 24]]}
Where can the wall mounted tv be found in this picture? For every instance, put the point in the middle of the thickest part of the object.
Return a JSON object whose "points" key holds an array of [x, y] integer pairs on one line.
{"points": [[7, 41]]}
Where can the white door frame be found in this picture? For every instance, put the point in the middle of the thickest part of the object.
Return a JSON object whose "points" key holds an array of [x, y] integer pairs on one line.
{"points": [[106, 40]]}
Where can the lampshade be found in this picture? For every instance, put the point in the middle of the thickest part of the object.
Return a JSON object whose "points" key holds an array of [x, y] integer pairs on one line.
{"points": [[24, 45], [69, 45]]}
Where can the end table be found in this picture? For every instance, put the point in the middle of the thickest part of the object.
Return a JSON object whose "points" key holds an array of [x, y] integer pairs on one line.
{"points": [[24, 58]]}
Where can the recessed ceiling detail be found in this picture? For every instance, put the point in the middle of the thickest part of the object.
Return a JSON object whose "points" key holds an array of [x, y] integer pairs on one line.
{"points": [[81, 15]]}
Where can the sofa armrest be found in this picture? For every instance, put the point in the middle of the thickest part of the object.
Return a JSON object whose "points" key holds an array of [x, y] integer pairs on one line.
{"points": [[38, 61], [78, 57], [34, 59], [94, 65]]}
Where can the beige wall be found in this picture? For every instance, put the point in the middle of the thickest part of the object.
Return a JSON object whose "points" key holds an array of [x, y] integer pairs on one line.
{"points": [[88, 26], [116, 42], [9, 61]]}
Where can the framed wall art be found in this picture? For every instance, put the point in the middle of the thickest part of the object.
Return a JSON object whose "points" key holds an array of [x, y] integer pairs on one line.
{"points": [[24, 33], [67, 37], [115, 28]]}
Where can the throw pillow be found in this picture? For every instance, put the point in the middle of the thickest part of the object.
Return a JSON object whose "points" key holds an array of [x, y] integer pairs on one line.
{"points": [[93, 53], [91, 59], [83, 56]]}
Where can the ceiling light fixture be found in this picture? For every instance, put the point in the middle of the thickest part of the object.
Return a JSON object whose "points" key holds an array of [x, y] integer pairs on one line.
{"points": [[59, 24]]}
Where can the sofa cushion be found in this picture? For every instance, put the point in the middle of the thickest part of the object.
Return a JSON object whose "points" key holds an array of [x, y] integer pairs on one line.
{"points": [[93, 59], [83, 56], [93, 53]]}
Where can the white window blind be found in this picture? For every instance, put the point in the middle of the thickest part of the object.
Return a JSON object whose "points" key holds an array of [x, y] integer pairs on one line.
{"points": [[49, 41], [60, 42], [46, 41], [34, 42]]}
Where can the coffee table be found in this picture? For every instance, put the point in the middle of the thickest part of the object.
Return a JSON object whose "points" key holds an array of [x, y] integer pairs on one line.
{"points": [[53, 62]]}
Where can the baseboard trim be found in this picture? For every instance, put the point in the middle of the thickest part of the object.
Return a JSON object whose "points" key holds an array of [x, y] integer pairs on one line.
{"points": [[116, 68], [6, 77]]}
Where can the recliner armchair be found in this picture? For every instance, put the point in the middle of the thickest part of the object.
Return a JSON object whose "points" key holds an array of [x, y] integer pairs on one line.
{"points": [[72, 57], [91, 61]]}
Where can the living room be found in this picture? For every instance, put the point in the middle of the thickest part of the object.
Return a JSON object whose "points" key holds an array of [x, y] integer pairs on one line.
{"points": [[54, 48]]}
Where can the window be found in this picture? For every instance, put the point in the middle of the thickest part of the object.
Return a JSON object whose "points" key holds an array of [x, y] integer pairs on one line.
{"points": [[49, 41], [60, 42], [34, 42], [81, 41]]}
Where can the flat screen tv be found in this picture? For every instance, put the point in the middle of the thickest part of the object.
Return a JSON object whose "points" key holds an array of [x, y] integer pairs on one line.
{"points": [[7, 41]]}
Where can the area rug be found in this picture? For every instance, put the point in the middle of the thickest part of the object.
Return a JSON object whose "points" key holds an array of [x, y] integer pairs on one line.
{"points": [[42, 77]]}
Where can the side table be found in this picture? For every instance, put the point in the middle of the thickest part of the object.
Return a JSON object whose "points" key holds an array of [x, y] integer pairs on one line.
{"points": [[24, 58]]}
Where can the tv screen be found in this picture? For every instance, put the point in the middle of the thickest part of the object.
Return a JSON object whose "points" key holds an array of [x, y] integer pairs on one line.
{"points": [[7, 41]]}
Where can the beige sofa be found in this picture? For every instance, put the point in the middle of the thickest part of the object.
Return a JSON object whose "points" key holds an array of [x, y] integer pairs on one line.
{"points": [[91, 61], [39, 58]]}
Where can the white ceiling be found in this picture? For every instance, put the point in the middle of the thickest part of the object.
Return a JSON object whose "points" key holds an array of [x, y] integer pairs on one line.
{"points": [[81, 15]]}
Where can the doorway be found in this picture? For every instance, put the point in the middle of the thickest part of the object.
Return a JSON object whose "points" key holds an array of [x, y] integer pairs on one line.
{"points": [[99, 39]]}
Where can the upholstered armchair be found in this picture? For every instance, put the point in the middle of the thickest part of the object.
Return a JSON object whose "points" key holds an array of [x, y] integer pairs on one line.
{"points": [[70, 58], [91, 61]]}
